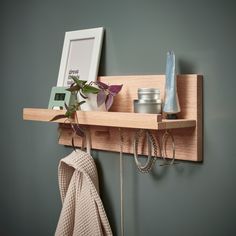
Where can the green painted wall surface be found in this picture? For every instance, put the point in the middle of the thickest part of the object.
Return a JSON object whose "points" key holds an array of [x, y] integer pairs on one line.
{"points": [[185, 200]]}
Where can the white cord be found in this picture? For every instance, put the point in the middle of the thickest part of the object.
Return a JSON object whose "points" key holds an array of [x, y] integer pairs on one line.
{"points": [[121, 184]]}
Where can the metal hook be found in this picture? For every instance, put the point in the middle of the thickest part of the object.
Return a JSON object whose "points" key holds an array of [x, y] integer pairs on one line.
{"points": [[86, 138], [88, 141]]}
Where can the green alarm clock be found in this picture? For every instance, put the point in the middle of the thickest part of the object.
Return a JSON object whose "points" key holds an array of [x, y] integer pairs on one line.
{"points": [[59, 97]]}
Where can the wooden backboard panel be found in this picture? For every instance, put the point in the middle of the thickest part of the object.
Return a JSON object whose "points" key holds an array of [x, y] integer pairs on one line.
{"points": [[188, 141]]}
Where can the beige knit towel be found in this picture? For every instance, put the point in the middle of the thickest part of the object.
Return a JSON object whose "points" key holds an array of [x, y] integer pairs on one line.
{"points": [[82, 212]]}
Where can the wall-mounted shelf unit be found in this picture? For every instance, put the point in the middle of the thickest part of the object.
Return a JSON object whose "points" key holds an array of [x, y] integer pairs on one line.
{"points": [[187, 130], [110, 119]]}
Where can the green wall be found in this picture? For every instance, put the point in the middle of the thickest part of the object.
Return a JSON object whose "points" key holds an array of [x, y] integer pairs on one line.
{"points": [[185, 200]]}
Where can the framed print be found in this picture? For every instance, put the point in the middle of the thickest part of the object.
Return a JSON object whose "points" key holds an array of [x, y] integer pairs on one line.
{"points": [[80, 56]]}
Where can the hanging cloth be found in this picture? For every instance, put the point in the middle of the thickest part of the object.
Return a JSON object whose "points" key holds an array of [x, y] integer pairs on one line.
{"points": [[82, 210]]}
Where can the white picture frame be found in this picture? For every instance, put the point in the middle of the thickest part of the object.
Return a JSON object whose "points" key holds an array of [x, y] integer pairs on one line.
{"points": [[81, 56]]}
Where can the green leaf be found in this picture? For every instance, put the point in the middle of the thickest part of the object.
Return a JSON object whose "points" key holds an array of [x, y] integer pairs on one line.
{"points": [[90, 89], [68, 113], [79, 82], [71, 111]]}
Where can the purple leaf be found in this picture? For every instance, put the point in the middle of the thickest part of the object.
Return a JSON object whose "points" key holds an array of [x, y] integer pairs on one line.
{"points": [[73, 143], [78, 130], [109, 101], [57, 117], [102, 85], [101, 98], [67, 108], [81, 103], [114, 89]]}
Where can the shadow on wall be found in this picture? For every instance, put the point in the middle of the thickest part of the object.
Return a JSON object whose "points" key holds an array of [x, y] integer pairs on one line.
{"points": [[102, 67]]}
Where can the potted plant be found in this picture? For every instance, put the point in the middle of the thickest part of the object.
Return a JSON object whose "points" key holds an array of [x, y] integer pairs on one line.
{"points": [[105, 95]]}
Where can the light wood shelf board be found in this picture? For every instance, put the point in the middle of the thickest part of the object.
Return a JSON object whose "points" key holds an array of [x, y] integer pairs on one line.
{"points": [[46, 115], [187, 130], [109, 119], [175, 124], [107, 139]]}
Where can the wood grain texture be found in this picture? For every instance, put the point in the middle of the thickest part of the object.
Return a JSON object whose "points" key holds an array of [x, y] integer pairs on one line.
{"points": [[188, 140], [109, 119], [187, 130], [46, 115]]}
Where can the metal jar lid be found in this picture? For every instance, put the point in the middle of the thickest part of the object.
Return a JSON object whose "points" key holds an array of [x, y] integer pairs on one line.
{"points": [[148, 90], [147, 94]]}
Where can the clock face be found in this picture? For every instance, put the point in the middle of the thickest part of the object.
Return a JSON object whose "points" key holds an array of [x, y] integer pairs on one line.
{"points": [[59, 96]]}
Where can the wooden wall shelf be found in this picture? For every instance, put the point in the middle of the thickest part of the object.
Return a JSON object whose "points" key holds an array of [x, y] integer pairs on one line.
{"points": [[187, 130], [110, 119]]}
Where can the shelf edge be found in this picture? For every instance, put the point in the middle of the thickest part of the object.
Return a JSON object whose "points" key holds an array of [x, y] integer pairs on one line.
{"points": [[109, 119]]}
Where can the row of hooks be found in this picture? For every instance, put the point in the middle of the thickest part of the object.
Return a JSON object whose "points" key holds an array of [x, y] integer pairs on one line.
{"points": [[155, 148]]}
